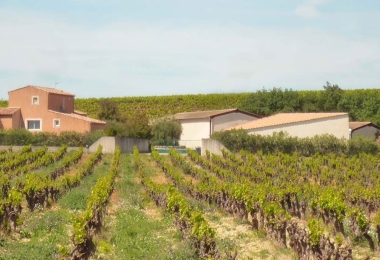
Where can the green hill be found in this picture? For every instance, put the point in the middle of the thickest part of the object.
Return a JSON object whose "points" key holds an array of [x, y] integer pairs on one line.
{"points": [[362, 104]]}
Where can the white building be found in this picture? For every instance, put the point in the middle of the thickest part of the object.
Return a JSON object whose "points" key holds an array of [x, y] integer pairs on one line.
{"points": [[300, 124], [199, 125], [366, 129]]}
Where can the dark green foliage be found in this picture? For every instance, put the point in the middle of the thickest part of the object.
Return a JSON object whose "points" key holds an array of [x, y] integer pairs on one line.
{"points": [[108, 110], [25, 137], [236, 140], [166, 132], [266, 102], [361, 144], [331, 97], [133, 126], [3, 103], [136, 125]]}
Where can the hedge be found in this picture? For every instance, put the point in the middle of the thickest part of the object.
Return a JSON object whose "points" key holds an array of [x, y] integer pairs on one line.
{"points": [[70, 138], [236, 140]]}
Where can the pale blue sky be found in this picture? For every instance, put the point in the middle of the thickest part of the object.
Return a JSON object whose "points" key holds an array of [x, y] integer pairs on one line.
{"points": [[136, 48]]}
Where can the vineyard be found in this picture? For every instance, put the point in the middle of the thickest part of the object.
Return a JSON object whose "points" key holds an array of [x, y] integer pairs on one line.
{"points": [[75, 205], [361, 104], [322, 207]]}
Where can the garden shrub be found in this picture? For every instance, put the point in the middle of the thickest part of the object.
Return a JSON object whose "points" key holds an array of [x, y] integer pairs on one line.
{"points": [[236, 140], [70, 138]]}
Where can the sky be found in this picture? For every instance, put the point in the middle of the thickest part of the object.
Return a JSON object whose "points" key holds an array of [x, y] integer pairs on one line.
{"points": [[117, 48]]}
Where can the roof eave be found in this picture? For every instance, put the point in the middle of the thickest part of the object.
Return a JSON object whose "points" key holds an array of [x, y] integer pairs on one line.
{"points": [[235, 111], [369, 124]]}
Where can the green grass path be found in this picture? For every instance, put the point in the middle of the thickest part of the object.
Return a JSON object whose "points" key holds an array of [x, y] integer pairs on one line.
{"points": [[135, 228]]}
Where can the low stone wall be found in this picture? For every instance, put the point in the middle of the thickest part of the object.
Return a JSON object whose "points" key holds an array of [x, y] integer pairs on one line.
{"points": [[213, 146], [109, 144], [126, 144]]}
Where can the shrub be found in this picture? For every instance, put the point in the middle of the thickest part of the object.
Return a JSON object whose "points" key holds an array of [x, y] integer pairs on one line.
{"points": [[166, 132], [25, 137], [236, 140], [361, 144]]}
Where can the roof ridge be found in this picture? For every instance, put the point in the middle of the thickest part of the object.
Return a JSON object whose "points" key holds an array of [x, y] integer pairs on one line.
{"points": [[46, 89], [212, 110]]}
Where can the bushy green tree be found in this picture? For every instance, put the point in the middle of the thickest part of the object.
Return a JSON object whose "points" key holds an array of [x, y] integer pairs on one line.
{"points": [[133, 126], [267, 102], [331, 97], [136, 125], [108, 110], [166, 132]]}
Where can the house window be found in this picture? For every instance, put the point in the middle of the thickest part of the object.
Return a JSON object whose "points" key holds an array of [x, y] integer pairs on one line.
{"points": [[35, 100], [56, 123], [34, 124]]}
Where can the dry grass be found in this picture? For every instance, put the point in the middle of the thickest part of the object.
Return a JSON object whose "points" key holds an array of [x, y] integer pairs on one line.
{"points": [[249, 245]]}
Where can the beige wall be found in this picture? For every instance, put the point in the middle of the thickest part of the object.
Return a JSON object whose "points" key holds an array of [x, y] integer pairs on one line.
{"points": [[193, 131], [367, 131], [57, 101], [229, 120], [213, 146], [6, 122], [96, 126], [22, 98], [67, 123], [10, 121], [337, 126], [16, 119]]}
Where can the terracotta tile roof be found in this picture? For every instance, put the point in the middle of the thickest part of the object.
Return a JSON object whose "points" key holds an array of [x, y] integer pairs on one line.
{"points": [[85, 118], [355, 125], [80, 113], [204, 114], [7, 111], [285, 118], [49, 90]]}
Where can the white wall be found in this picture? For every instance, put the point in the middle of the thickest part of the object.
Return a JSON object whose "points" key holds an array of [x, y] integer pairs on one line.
{"points": [[229, 120], [193, 131], [367, 131], [337, 126]]}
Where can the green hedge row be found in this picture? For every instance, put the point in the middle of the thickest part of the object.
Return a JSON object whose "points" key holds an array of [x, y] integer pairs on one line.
{"points": [[237, 140], [25, 137]]}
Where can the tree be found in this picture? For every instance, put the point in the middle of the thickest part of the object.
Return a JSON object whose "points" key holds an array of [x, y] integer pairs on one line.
{"points": [[108, 110], [331, 97], [267, 102], [136, 125], [166, 132]]}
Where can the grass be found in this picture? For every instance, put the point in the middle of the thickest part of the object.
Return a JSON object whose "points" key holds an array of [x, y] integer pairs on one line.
{"points": [[39, 236], [137, 229], [76, 199]]}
